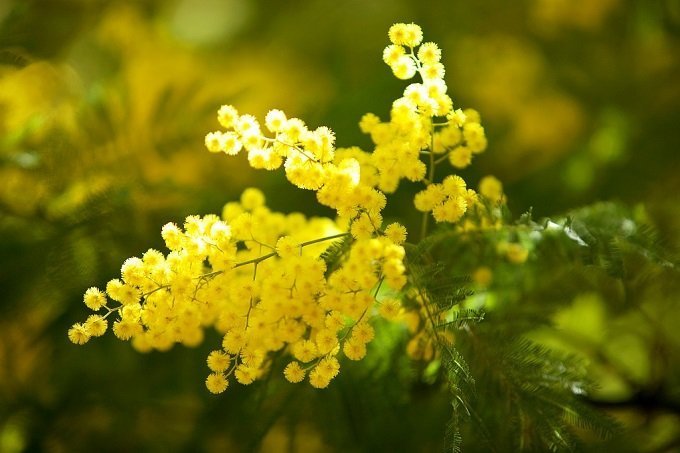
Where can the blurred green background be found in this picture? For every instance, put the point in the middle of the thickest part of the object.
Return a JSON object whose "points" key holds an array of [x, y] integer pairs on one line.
{"points": [[103, 110]]}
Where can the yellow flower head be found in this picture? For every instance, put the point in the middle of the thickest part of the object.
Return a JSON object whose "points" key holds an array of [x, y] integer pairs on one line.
{"points": [[405, 34], [78, 334], [94, 299], [227, 116], [216, 383], [294, 373]]}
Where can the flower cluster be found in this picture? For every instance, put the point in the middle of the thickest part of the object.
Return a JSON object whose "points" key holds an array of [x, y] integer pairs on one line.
{"points": [[284, 285], [259, 278]]}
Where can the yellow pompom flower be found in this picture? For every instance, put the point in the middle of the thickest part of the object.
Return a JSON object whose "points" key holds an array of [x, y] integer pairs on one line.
{"points": [[305, 351], [318, 380], [213, 141], [472, 116], [125, 329], [334, 321], [457, 117], [96, 325], [252, 198], [396, 233], [453, 185], [230, 143], [405, 34], [218, 361], [227, 116], [451, 136], [432, 71], [287, 247], [245, 374], [328, 367], [247, 124], [294, 373], [460, 157], [404, 68], [216, 383], [415, 171], [390, 309], [354, 349], [78, 334], [363, 332], [172, 236], [275, 120], [451, 210], [392, 53], [491, 188], [94, 298], [429, 53], [234, 340], [326, 340], [431, 196], [368, 122], [293, 129], [362, 227]]}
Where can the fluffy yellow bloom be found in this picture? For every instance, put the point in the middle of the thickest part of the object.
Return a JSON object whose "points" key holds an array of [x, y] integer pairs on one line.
{"points": [[429, 53], [216, 383], [404, 67], [247, 125], [275, 120], [396, 233], [227, 116], [457, 117], [125, 329], [287, 247], [430, 197], [218, 361], [318, 380], [230, 143], [234, 340], [294, 373], [405, 34], [96, 325], [294, 129], [172, 236], [363, 332], [328, 367], [368, 122], [362, 227], [326, 340], [78, 334], [460, 157], [432, 71], [245, 374], [94, 299], [491, 188], [354, 349], [305, 351], [392, 53], [390, 309], [451, 210], [252, 198], [454, 185], [213, 141]]}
